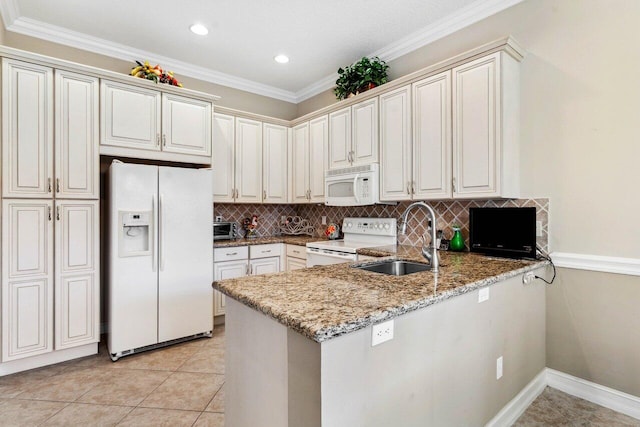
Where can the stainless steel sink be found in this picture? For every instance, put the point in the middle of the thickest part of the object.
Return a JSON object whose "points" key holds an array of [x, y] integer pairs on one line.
{"points": [[395, 268]]}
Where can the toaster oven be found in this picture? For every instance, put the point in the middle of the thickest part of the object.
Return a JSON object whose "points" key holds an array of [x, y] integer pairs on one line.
{"points": [[225, 230]]}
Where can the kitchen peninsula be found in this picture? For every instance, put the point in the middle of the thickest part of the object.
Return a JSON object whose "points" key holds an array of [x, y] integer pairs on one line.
{"points": [[299, 348]]}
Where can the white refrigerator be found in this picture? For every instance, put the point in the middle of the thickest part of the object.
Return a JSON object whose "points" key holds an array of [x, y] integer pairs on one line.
{"points": [[160, 263]]}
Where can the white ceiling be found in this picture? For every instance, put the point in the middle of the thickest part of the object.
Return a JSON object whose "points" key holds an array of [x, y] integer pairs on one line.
{"points": [[319, 36]]}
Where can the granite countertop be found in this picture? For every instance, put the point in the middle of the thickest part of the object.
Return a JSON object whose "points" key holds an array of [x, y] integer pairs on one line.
{"points": [[324, 302], [291, 240]]}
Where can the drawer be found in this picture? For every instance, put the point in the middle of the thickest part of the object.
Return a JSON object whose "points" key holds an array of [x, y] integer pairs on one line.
{"points": [[230, 254], [296, 251], [264, 251]]}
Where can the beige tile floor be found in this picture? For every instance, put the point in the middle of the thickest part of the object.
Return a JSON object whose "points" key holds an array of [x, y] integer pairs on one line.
{"points": [[555, 408], [182, 385]]}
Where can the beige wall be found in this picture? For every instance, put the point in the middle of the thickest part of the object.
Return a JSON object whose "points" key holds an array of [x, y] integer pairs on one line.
{"points": [[231, 98], [580, 134]]}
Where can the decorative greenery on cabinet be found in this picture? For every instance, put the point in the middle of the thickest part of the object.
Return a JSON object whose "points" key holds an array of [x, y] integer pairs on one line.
{"points": [[360, 76]]}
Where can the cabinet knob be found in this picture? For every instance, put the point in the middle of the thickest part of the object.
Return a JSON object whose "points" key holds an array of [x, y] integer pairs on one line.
{"points": [[453, 181], [58, 213], [264, 194], [232, 253], [57, 185], [164, 140], [158, 139], [413, 187], [49, 212], [408, 189], [49, 185]]}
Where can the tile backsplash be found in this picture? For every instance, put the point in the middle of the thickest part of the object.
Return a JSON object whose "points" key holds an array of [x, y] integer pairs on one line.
{"points": [[450, 212]]}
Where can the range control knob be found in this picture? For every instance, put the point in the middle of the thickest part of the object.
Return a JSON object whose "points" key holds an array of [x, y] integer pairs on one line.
{"points": [[387, 226]]}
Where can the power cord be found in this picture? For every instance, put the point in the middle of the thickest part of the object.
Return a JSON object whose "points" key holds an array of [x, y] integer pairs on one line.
{"points": [[548, 258]]}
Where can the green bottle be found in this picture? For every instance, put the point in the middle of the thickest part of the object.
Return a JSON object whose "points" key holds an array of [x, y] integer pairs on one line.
{"points": [[457, 242]]}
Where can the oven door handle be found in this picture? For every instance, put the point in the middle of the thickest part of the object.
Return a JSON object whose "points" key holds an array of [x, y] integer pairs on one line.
{"points": [[330, 254], [355, 188]]}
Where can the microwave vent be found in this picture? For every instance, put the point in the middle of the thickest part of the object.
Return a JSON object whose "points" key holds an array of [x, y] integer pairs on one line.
{"points": [[373, 167]]}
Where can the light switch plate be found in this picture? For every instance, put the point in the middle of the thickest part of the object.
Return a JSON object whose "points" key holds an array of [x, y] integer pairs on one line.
{"points": [[539, 228]]}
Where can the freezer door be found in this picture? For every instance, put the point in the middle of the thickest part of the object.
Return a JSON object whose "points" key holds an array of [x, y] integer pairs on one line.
{"points": [[131, 270], [185, 295]]}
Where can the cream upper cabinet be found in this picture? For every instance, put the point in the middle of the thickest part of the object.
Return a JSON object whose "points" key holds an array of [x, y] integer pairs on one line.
{"points": [[77, 159], [248, 161], [300, 163], [353, 135], [431, 152], [27, 278], [223, 162], [395, 145], [77, 260], [365, 132], [130, 116], [186, 125], [274, 163], [415, 140], [318, 140], [150, 124], [27, 130], [485, 128], [309, 160], [340, 152]]}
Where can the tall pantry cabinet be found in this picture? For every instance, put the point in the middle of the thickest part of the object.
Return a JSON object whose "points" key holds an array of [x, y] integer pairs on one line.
{"points": [[50, 214]]}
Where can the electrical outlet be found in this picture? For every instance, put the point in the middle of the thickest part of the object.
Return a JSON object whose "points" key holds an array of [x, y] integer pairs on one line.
{"points": [[483, 294], [283, 219], [528, 277], [539, 228], [381, 332], [324, 220], [499, 368]]}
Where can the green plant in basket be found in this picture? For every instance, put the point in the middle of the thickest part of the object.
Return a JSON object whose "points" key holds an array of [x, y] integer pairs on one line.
{"points": [[360, 76]]}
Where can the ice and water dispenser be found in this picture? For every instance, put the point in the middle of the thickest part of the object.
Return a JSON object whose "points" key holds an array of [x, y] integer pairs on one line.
{"points": [[135, 233]]}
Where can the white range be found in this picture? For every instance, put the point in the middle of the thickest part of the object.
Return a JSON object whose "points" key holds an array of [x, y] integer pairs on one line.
{"points": [[358, 233]]}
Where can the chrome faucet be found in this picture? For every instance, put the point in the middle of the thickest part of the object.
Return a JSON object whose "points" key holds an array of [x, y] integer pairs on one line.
{"points": [[429, 252]]}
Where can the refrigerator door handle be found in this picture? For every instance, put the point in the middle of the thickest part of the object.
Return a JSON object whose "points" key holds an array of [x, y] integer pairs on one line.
{"points": [[161, 231], [154, 258]]}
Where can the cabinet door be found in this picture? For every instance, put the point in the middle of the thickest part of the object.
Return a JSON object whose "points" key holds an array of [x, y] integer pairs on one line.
{"points": [[226, 270], [300, 166], [77, 289], [274, 163], [27, 130], [318, 141], [27, 278], [130, 116], [248, 160], [475, 143], [264, 266], [77, 159], [340, 139], [395, 145], [222, 163], [432, 137], [365, 132], [186, 125], [296, 263]]}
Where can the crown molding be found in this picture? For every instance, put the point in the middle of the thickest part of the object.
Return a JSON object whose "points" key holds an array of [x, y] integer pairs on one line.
{"points": [[469, 15], [52, 33], [10, 12]]}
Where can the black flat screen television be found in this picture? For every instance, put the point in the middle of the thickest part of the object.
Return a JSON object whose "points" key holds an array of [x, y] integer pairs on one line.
{"points": [[506, 232]]}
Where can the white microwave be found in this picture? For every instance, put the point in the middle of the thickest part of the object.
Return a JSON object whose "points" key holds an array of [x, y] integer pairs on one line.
{"points": [[355, 186]]}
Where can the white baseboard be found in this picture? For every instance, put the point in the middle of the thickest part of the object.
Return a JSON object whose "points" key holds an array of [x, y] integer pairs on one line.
{"points": [[516, 407], [604, 396], [46, 359]]}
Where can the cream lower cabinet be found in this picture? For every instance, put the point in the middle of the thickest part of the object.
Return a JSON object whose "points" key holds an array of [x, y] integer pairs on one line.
{"points": [[34, 292], [309, 160], [27, 278], [264, 266], [485, 127], [227, 270], [296, 257]]}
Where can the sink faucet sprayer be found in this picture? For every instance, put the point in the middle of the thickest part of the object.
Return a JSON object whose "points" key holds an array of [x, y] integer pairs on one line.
{"points": [[429, 252]]}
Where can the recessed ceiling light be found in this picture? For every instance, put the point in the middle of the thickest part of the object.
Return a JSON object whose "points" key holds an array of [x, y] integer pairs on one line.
{"points": [[282, 59], [199, 29]]}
